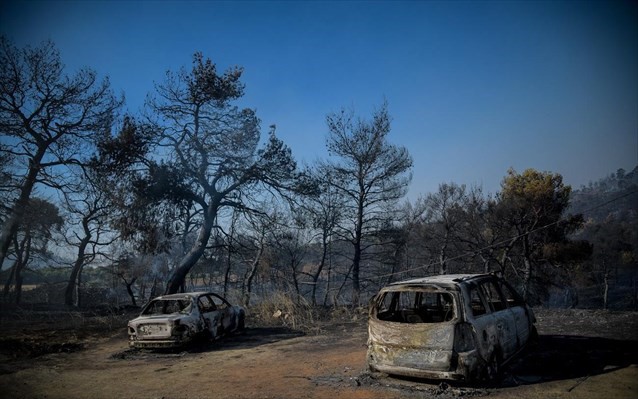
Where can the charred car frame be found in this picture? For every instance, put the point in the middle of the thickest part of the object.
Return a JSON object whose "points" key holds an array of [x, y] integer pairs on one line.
{"points": [[175, 320], [455, 327]]}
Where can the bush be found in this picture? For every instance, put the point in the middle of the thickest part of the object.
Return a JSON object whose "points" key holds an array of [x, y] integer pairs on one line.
{"points": [[280, 309]]}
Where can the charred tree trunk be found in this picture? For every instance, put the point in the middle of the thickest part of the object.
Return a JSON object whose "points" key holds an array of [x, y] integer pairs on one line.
{"points": [[343, 283], [178, 277], [250, 274], [605, 285], [527, 268], [129, 290], [443, 258], [20, 266], [227, 272], [356, 260], [396, 260], [22, 250], [77, 267], [229, 254], [11, 224], [317, 273], [329, 277], [153, 292], [9, 281], [78, 290], [358, 236], [486, 264]]}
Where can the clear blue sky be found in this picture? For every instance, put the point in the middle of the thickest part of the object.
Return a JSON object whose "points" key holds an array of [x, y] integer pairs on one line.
{"points": [[473, 87]]}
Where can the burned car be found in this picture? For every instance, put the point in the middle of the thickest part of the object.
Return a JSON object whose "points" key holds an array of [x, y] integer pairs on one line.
{"points": [[455, 327], [177, 319]]}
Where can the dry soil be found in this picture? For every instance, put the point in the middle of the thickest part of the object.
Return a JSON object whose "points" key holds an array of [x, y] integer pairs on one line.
{"points": [[581, 354]]}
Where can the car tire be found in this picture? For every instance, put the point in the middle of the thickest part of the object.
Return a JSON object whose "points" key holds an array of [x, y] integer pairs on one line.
{"points": [[206, 336], [533, 336], [493, 372]]}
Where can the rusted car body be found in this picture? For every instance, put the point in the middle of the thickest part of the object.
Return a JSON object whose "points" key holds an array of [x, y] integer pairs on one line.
{"points": [[456, 327], [175, 320]]}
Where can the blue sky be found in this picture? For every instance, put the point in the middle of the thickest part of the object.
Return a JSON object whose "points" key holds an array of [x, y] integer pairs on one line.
{"points": [[473, 88]]}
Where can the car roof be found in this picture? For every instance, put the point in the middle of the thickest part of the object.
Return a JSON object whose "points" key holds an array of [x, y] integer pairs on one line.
{"points": [[442, 279], [185, 295]]}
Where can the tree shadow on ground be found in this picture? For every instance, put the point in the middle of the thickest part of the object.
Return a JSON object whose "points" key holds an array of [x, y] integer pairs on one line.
{"points": [[560, 357], [553, 358], [253, 337]]}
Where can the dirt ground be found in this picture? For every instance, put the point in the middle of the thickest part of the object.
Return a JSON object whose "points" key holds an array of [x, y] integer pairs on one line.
{"points": [[581, 354]]}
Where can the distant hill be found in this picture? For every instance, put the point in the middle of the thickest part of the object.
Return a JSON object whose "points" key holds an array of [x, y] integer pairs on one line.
{"points": [[613, 196]]}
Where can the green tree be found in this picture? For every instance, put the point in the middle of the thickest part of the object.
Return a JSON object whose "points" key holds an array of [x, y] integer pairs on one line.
{"points": [[533, 203], [370, 173]]}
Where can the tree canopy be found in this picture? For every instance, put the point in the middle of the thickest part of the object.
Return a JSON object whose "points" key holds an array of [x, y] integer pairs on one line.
{"points": [[370, 173], [47, 121], [192, 193], [208, 156], [534, 205]]}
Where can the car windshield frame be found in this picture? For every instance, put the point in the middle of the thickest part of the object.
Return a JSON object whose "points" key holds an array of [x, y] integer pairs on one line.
{"points": [[416, 304], [168, 306]]}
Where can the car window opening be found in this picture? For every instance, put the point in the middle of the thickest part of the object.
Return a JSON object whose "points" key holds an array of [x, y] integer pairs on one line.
{"points": [[478, 307], [161, 307], [416, 307]]}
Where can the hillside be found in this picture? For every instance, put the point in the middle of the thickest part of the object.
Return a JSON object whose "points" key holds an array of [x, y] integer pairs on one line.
{"points": [[613, 196]]}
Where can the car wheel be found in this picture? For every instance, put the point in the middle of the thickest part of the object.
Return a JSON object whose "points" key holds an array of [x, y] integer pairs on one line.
{"points": [[370, 368], [493, 369], [206, 336], [533, 336], [215, 332]]}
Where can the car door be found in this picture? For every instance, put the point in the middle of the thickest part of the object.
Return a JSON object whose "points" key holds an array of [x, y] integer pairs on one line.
{"points": [[227, 318], [504, 319], [516, 305], [482, 320], [210, 314]]}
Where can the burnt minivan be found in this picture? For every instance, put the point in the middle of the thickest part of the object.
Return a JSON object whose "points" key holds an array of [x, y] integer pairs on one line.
{"points": [[455, 327]]}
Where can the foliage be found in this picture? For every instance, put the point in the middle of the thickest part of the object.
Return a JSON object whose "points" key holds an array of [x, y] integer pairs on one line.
{"points": [[209, 161], [189, 195], [40, 221], [47, 123], [610, 209], [370, 173], [444, 215], [88, 214], [533, 204]]}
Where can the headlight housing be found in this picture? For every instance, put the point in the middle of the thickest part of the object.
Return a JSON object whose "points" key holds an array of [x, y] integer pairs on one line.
{"points": [[178, 328]]}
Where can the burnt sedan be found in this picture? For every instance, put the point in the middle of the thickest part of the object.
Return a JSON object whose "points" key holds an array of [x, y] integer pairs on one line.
{"points": [[177, 319], [458, 327]]}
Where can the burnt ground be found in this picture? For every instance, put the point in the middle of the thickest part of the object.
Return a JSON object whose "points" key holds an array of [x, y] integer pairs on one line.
{"points": [[580, 354]]}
